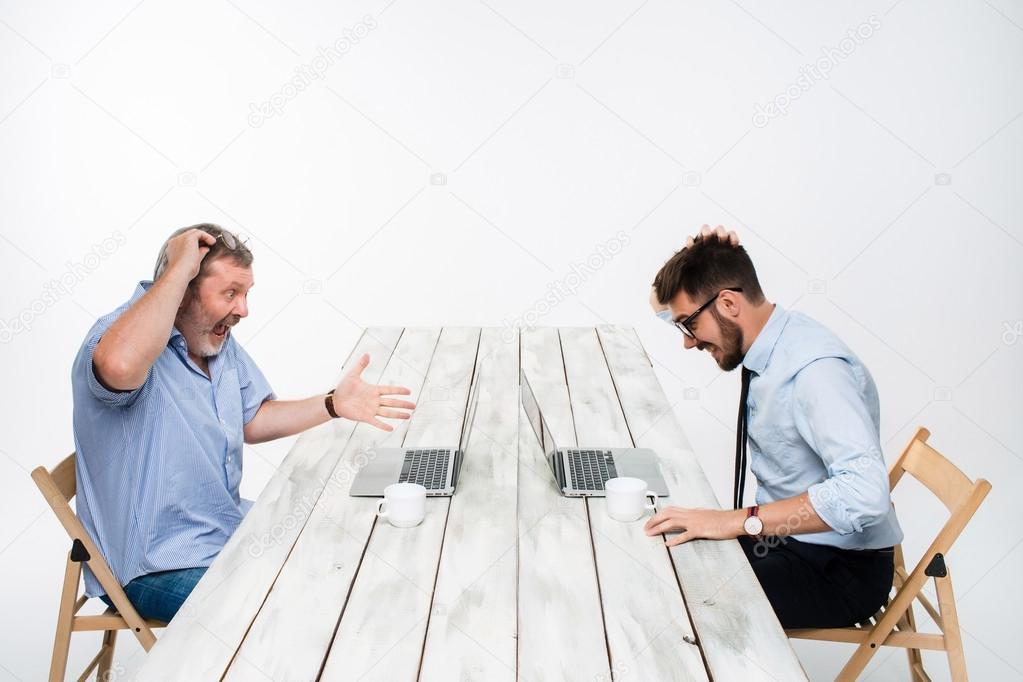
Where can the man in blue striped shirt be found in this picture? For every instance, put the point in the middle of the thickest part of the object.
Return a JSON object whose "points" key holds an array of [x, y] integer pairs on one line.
{"points": [[811, 422], [164, 398]]}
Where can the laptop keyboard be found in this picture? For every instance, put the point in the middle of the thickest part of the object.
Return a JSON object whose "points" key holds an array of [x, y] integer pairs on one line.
{"points": [[428, 468], [589, 469]]}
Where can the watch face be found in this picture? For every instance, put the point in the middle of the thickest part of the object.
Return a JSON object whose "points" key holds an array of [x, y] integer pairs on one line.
{"points": [[753, 525]]}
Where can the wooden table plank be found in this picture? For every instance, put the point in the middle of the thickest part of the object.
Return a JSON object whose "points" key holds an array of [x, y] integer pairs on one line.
{"points": [[561, 631], [648, 629], [738, 631], [292, 634], [202, 638], [472, 629], [383, 626]]}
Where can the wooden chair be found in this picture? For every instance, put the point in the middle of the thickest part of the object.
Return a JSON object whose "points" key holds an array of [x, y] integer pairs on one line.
{"points": [[59, 487], [895, 625]]}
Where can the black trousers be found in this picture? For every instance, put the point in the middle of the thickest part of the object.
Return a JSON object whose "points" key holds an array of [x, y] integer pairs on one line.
{"points": [[819, 586]]}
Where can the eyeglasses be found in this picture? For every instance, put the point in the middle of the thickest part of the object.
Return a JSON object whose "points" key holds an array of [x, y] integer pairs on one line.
{"points": [[684, 325], [230, 240]]}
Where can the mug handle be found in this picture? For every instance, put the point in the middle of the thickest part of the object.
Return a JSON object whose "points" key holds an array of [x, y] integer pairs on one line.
{"points": [[380, 508], [653, 505]]}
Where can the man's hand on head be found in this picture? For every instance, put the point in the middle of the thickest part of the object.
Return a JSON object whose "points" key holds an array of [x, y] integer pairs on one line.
{"points": [[718, 232], [186, 251], [360, 401]]}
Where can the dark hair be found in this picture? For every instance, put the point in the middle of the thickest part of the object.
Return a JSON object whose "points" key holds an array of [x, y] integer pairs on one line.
{"points": [[240, 254], [706, 267]]}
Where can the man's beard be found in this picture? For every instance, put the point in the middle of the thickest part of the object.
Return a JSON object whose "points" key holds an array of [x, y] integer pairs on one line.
{"points": [[731, 342], [209, 345]]}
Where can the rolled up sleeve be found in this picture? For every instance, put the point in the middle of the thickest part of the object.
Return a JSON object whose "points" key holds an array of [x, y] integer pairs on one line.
{"points": [[120, 399], [832, 417], [254, 386]]}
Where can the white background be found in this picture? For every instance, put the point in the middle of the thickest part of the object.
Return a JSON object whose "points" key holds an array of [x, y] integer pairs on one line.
{"points": [[885, 202]]}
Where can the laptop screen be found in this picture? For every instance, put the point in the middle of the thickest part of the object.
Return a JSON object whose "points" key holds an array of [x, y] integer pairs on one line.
{"points": [[536, 420], [470, 412]]}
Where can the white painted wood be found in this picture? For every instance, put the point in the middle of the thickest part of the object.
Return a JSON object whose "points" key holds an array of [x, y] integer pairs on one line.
{"points": [[472, 628], [202, 638], [648, 630], [561, 632], [292, 634], [737, 629], [383, 626]]}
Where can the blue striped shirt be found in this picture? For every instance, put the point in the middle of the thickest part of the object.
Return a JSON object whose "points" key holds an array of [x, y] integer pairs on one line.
{"points": [[159, 467], [814, 425]]}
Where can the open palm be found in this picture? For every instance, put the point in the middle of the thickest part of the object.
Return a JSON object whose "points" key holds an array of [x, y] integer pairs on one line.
{"points": [[360, 401]]}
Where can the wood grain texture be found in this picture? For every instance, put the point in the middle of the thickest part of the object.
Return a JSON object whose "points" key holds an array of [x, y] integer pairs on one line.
{"points": [[292, 634], [205, 634], [561, 630], [736, 626], [648, 629], [472, 629], [382, 629]]}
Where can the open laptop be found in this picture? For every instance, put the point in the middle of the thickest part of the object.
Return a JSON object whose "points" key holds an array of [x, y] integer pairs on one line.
{"points": [[583, 471], [434, 468]]}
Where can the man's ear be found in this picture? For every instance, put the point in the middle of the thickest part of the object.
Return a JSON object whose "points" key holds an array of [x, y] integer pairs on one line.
{"points": [[732, 302], [186, 299]]}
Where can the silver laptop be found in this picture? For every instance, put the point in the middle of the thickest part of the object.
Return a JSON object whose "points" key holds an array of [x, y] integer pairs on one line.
{"points": [[434, 468], [583, 471]]}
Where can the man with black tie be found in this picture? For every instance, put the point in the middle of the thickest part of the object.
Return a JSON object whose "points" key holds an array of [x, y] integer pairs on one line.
{"points": [[809, 420]]}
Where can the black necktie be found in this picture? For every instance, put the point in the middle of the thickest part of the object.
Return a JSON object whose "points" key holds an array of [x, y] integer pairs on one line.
{"points": [[740, 441]]}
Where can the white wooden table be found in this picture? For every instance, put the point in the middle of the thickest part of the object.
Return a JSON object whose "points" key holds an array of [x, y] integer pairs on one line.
{"points": [[505, 580]]}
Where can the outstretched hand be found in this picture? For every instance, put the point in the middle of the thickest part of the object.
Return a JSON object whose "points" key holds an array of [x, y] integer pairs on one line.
{"points": [[360, 401]]}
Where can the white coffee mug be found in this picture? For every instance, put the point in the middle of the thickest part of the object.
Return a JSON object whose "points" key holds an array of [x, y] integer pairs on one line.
{"points": [[627, 498], [404, 504]]}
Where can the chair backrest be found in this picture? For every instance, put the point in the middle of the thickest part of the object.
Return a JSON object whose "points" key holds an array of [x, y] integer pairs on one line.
{"points": [[957, 492], [59, 487]]}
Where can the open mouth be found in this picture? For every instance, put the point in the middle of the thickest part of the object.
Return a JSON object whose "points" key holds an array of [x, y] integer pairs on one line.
{"points": [[220, 331]]}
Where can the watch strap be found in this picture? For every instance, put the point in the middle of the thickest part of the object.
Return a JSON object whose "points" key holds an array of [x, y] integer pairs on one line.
{"points": [[328, 400]]}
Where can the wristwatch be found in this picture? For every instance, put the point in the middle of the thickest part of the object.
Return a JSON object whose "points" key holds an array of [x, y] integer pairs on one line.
{"points": [[753, 525], [328, 400]]}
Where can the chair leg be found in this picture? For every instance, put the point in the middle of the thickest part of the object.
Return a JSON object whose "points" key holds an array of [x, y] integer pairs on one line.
{"points": [[908, 624], [107, 659], [950, 627], [65, 621]]}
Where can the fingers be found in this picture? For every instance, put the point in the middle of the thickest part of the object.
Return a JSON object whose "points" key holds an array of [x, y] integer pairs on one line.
{"points": [[373, 421], [393, 390], [393, 414], [678, 539], [360, 365], [403, 404], [717, 232]]}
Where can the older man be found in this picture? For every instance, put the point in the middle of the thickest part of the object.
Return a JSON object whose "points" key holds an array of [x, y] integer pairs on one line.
{"points": [[164, 398], [809, 412]]}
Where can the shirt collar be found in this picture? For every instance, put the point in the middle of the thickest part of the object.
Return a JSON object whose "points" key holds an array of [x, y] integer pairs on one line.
{"points": [[759, 353]]}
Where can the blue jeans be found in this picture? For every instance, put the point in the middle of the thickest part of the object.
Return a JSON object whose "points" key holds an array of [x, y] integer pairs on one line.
{"points": [[160, 595]]}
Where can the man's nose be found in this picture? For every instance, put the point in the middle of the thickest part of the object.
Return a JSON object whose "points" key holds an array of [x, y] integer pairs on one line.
{"points": [[241, 308], [688, 341]]}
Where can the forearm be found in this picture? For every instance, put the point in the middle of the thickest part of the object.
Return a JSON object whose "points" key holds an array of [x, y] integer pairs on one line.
{"points": [[791, 516], [135, 340], [280, 418]]}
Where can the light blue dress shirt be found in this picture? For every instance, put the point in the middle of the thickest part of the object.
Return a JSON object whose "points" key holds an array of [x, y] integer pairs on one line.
{"points": [[814, 425], [159, 467]]}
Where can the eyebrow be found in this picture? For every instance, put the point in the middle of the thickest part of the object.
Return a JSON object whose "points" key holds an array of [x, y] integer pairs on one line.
{"points": [[238, 285]]}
